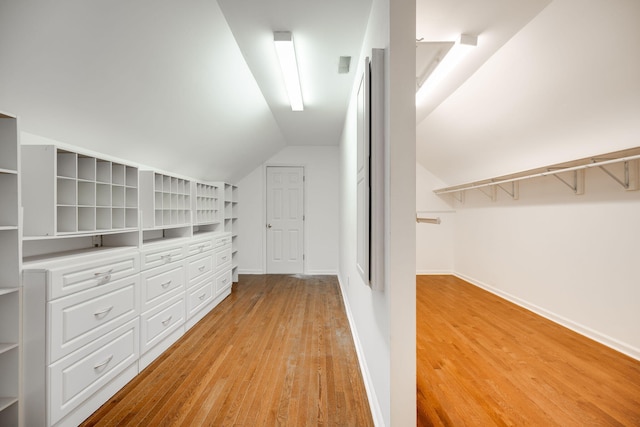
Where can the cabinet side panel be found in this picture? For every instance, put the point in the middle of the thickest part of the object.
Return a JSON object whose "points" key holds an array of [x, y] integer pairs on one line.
{"points": [[38, 189], [33, 348], [146, 197]]}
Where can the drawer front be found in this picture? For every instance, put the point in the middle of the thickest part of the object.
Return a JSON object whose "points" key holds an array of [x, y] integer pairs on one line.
{"points": [[223, 259], [80, 318], [199, 247], [74, 277], [156, 257], [159, 283], [76, 377], [199, 268], [160, 322], [223, 282], [198, 297], [221, 241]]}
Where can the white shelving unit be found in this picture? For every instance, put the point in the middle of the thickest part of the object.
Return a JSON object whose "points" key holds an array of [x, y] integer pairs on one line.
{"points": [[206, 197], [231, 224], [165, 200], [70, 193], [10, 262]]}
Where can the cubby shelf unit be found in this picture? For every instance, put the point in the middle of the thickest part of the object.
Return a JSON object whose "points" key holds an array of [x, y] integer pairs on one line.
{"points": [[10, 262], [206, 205], [231, 223], [165, 200], [70, 193]]}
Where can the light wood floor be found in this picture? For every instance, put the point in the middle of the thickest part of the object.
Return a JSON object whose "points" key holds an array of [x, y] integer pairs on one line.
{"points": [[278, 351], [483, 361]]}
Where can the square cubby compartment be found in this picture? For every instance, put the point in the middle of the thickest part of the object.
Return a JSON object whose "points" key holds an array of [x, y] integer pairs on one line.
{"points": [[103, 195], [103, 218], [66, 191], [117, 196], [103, 171], [86, 219], [67, 221], [131, 175], [117, 174], [86, 168], [67, 164], [118, 218], [131, 197], [131, 218], [86, 193]]}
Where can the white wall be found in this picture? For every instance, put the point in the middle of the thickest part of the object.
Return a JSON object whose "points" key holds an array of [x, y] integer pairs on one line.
{"points": [[573, 259], [434, 243], [383, 323], [321, 166]]}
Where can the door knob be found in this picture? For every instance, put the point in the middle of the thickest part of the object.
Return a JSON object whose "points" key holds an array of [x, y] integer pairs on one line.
{"points": [[268, 225]]}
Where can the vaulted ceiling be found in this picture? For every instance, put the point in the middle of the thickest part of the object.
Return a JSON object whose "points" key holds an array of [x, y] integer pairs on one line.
{"points": [[565, 86], [192, 87], [189, 87]]}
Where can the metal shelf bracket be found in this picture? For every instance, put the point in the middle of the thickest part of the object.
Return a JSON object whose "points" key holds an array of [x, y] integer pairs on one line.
{"points": [[515, 190], [631, 178], [492, 193], [577, 184], [459, 196]]}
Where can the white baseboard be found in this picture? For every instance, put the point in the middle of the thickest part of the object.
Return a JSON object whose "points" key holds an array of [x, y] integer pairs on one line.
{"points": [[374, 405], [322, 272], [567, 323], [433, 272], [250, 271]]}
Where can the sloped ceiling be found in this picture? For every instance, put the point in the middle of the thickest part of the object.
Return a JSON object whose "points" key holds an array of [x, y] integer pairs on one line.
{"points": [[164, 83], [565, 86]]}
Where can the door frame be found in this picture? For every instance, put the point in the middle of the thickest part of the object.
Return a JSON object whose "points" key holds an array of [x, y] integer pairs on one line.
{"points": [[304, 212]]}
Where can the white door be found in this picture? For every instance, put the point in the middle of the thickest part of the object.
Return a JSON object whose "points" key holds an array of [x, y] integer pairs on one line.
{"points": [[285, 219]]}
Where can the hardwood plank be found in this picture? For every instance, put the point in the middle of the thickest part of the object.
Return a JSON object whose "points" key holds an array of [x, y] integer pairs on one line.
{"points": [[482, 360], [277, 351]]}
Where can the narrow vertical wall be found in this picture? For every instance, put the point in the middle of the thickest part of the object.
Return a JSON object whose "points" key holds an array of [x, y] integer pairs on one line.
{"points": [[384, 322]]}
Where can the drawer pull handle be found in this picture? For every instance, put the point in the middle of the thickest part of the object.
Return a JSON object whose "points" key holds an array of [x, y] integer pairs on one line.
{"points": [[166, 258], [202, 268], [201, 247], [224, 258], [166, 321], [201, 297], [224, 280], [102, 364], [165, 284], [104, 277], [103, 312]]}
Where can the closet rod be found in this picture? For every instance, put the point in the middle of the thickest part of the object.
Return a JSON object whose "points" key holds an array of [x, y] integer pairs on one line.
{"points": [[480, 184]]}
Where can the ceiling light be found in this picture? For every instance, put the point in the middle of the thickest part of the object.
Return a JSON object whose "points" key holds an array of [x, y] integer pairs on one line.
{"points": [[459, 50], [283, 41]]}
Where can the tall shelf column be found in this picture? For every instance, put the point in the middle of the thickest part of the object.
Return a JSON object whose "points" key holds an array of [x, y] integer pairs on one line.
{"points": [[10, 260]]}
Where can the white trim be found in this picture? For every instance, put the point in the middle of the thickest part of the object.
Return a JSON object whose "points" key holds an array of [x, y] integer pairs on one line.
{"points": [[576, 327], [322, 272], [434, 272], [374, 405], [250, 271]]}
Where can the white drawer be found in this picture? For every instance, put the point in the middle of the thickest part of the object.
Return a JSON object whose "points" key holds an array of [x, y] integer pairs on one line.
{"points": [[88, 272], [198, 268], [220, 241], [223, 259], [78, 319], [223, 282], [199, 296], [76, 377], [159, 283], [160, 322], [161, 255], [199, 247]]}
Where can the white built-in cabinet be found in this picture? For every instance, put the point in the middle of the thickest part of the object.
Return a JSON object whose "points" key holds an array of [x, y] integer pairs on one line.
{"points": [[67, 192], [10, 259], [118, 264]]}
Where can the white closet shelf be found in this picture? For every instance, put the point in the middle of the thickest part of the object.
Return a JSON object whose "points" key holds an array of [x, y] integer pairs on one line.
{"points": [[629, 181]]}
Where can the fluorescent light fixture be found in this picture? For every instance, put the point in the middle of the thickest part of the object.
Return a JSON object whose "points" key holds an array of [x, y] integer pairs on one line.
{"points": [[458, 51], [283, 41]]}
